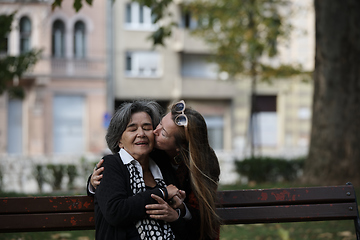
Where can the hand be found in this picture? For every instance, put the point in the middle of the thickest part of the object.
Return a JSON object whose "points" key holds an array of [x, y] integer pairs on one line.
{"points": [[162, 210], [177, 200], [97, 176], [172, 191]]}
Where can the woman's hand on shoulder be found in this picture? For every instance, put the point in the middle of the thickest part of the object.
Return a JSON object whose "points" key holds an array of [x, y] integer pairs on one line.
{"points": [[96, 175]]}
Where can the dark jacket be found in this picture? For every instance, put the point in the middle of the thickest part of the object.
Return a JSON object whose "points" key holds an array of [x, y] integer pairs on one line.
{"points": [[183, 229], [116, 208]]}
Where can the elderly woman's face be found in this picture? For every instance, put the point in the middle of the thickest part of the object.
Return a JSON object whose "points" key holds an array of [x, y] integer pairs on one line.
{"points": [[138, 137], [165, 134]]}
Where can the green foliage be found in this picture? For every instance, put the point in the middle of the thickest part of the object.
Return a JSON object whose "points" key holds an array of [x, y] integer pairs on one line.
{"points": [[57, 174], [5, 28], [267, 169], [243, 33], [40, 177], [72, 173], [12, 67], [54, 174], [78, 4], [159, 11]]}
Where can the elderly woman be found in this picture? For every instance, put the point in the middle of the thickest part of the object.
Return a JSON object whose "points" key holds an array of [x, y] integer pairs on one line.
{"points": [[132, 179]]}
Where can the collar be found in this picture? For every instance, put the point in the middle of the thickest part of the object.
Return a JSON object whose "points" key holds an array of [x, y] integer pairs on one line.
{"points": [[127, 158]]}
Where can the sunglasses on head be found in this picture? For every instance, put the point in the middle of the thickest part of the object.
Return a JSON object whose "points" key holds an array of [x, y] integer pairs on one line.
{"points": [[181, 119]]}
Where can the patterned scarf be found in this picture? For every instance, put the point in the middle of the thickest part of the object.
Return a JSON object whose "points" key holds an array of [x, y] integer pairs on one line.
{"points": [[148, 229]]}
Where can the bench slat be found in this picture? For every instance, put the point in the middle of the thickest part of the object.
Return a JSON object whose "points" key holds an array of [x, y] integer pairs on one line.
{"points": [[301, 195], [47, 222], [46, 204], [289, 213]]}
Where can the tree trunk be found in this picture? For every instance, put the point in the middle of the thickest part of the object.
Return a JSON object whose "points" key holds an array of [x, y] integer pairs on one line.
{"points": [[334, 154]]}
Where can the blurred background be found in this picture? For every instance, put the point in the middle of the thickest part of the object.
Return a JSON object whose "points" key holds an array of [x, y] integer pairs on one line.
{"points": [[277, 82], [87, 62]]}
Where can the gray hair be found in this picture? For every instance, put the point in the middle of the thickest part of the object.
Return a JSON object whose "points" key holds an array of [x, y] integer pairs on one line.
{"points": [[122, 117]]}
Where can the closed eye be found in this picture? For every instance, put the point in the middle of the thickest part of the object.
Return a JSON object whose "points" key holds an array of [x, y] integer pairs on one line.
{"points": [[132, 129], [147, 127], [163, 132]]}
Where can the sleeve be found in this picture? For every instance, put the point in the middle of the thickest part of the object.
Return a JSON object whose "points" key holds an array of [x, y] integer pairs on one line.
{"points": [[114, 196], [187, 215], [90, 190]]}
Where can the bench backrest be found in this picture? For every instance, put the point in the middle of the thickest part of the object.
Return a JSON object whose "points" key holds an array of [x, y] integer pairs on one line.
{"points": [[288, 205], [234, 207], [32, 214]]}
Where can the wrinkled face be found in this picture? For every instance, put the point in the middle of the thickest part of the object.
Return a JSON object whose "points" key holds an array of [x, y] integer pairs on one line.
{"points": [[165, 135], [138, 137]]}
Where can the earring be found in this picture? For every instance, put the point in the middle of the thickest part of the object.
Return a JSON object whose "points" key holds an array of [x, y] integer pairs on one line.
{"points": [[177, 159]]}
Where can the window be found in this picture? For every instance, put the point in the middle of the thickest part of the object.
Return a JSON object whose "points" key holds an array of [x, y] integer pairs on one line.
{"points": [[264, 121], [58, 39], [4, 45], [187, 21], [79, 40], [25, 34], [198, 66], [142, 64], [215, 125], [15, 128], [138, 17], [68, 132]]}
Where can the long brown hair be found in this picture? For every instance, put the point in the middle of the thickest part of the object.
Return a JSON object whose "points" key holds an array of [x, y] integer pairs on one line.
{"points": [[203, 166]]}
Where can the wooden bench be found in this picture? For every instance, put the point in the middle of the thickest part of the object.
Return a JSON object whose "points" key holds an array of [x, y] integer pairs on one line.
{"points": [[28, 214]]}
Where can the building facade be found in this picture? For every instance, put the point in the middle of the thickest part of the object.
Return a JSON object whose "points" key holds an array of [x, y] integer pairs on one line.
{"points": [[95, 59], [61, 117]]}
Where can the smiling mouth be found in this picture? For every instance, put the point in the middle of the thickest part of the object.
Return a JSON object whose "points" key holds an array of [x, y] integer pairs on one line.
{"points": [[141, 143]]}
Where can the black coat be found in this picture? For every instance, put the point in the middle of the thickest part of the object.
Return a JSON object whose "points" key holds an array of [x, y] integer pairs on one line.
{"points": [[116, 208], [183, 229]]}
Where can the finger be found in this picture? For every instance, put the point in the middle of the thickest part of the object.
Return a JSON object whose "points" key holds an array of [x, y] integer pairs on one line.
{"points": [[154, 212], [98, 165], [155, 206], [97, 182], [182, 193], [158, 199], [157, 217]]}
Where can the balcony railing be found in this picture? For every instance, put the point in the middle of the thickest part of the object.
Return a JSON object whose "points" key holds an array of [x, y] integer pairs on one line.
{"points": [[92, 68]]}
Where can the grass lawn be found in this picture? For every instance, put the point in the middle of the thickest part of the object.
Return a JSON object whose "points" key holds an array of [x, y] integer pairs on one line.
{"points": [[73, 235], [340, 230]]}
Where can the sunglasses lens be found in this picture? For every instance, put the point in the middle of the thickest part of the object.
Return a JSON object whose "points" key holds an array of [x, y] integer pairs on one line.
{"points": [[179, 107], [181, 120]]}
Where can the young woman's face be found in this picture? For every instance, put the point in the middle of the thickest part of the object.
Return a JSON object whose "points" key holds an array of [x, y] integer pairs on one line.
{"points": [[165, 135], [138, 137]]}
